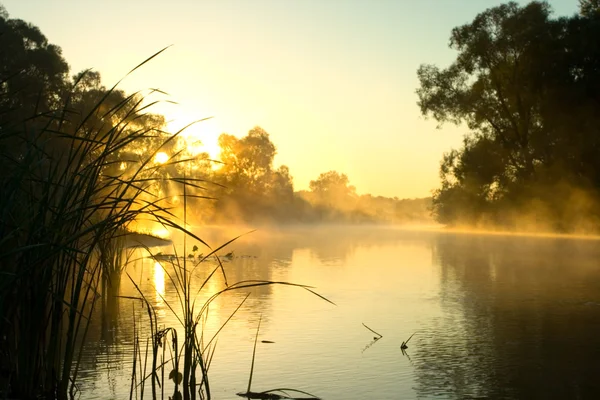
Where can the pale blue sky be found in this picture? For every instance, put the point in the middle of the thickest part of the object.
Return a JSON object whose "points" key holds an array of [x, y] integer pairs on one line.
{"points": [[332, 81]]}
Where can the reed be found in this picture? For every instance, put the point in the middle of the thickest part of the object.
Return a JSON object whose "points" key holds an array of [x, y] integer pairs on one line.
{"points": [[189, 362], [66, 200], [72, 183]]}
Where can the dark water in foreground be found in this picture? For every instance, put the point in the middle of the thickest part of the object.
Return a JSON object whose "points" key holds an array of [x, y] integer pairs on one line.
{"points": [[495, 316]]}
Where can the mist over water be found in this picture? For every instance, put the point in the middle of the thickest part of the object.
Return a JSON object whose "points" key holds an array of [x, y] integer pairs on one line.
{"points": [[494, 316], [94, 174]]}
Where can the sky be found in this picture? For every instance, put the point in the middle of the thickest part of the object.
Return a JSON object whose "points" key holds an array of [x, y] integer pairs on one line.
{"points": [[332, 81]]}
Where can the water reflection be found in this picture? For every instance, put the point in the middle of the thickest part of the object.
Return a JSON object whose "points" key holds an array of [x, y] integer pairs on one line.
{"points": [[520, 319], [159, 281], [495, 317]]}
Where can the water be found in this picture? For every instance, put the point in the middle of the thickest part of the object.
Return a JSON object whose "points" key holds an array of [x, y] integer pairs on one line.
{"points": [[494, 316]]}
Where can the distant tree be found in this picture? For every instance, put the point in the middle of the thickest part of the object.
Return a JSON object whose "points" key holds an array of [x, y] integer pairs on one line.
{"points": [[247, 162], [333, 190], [282, 186], [254, 188]]}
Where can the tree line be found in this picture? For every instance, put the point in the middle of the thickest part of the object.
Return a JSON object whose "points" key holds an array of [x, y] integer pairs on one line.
{"points": [[525, 86], [245, 186], [242, 186]]}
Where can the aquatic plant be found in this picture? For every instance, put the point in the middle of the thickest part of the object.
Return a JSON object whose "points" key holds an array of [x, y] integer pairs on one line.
{"points": [[272, 394], [71, 185], [188, 362]]}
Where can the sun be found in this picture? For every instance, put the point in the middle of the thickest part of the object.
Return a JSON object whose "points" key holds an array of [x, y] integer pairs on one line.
{"points": [[199, 137], [161, 157]]}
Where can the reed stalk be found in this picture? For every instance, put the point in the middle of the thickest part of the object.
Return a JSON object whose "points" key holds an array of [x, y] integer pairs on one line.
{"points": [[65, 202]]}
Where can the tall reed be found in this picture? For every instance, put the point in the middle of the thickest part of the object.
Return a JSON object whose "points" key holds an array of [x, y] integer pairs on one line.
{"points": [[72, 183], [189, 362], [70, 186]]}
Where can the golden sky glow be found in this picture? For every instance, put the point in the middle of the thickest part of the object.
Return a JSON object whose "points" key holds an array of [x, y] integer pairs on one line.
{"points": [[333, 82]]}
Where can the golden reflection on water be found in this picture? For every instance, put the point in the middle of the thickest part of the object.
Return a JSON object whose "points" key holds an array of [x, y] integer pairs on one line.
{"points": [[495, 316], [159, 282]]}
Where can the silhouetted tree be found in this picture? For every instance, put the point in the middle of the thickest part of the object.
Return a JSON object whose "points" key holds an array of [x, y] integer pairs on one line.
{"points": [[33, 73], [527, 88]]}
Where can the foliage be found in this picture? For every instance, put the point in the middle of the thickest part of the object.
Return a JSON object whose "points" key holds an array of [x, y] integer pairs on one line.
{"points": [[589, 7], [527, 87], [251, 188], [331, 188], [247, 162], [33, 73], [64, 206]]}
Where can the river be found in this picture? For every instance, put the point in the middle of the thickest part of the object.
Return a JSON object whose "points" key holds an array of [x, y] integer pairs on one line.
{"points": [[493, 316]]}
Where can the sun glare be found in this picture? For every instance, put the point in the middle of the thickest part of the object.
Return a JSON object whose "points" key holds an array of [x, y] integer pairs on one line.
{"points": [[159, 280], [200, 137], [161, 158]]}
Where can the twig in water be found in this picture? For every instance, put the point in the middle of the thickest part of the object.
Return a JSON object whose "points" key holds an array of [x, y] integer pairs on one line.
{"points": [[379, 336], [404, 344]]}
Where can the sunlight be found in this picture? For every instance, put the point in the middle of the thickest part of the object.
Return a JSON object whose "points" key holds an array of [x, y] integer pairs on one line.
{"points": [[161, 157], [200, 137], [159, 281], [160, 232]]}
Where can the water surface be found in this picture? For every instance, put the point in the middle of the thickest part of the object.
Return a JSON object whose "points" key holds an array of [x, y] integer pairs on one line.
{"points": [[494, 316]]}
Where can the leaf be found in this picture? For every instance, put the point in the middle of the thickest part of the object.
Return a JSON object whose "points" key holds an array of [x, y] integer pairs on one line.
{"points": [[176, 376]]}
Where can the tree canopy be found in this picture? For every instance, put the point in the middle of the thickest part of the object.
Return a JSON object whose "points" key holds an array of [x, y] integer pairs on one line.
{"points": [[526, 86], [33, 72]]}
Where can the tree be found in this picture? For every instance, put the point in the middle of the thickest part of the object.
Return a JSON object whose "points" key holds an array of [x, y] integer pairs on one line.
{"points": [[495, 84], [589, 8], [247, 162], [333, 190], [254, 189], [282, 186], [527, 88], [97, 107], [33, 73]]}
